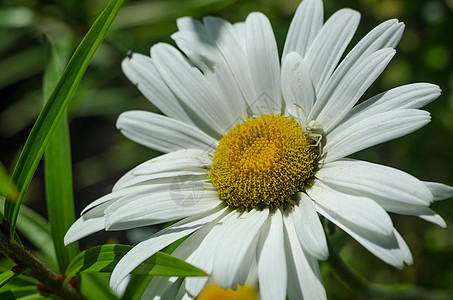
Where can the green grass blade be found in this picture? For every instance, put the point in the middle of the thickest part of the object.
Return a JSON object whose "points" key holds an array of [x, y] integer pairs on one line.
{"points": [[58, 172], [36, 230], [54, 108], [6, 276], [104, 259], [20, 293]]}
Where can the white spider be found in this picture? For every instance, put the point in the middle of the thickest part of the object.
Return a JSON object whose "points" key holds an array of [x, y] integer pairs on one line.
{"points": [[314, 129]]}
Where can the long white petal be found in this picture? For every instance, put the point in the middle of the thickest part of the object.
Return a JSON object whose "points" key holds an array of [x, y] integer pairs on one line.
{"points": [[297, 87], [163, 134], [185, 164], [356, 211], [440, 191], [377, 129], [308, 228], [304, 276], [328, 46], [350, 89], [415, 95], [206, 251], [234, 245], [264, 63], [391, 249], [306, 23], [93, 221], [141, 71], [202, 51], [375, 180], [272, 271], [163, 238], [159, 208], [232, 46], [189, 84], [385, 35]]}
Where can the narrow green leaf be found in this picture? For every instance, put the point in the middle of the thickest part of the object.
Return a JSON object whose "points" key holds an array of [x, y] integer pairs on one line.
{"points": [[53, 110], [96, 285], [136, 287], [58, 171], [5, 277], [104, 258], [4, 180], [36, 230], [19, 293]]}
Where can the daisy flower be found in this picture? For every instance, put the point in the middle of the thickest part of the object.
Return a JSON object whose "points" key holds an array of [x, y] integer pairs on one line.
{"points": [[255, 151]]}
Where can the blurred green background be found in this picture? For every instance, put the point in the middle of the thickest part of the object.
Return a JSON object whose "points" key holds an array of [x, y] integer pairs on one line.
{"points": [[101, 154]]}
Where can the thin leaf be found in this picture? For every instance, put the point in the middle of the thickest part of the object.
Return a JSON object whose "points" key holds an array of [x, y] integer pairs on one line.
{"points": [[5, 277], [36, 230], [104, 258], [53, 110], [19, 293], [136, 287], [4, 181], [58, 172], [96, 285]]}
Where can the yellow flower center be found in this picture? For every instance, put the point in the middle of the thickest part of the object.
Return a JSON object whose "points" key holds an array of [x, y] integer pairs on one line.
{"points": [[263, 162]]}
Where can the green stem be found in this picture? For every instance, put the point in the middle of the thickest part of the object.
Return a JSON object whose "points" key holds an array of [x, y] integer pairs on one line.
{"points": [[36, 269], [371, 290]]}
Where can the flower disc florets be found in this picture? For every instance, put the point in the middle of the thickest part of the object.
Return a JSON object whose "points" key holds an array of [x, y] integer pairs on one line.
{"points": [[263, 162]]}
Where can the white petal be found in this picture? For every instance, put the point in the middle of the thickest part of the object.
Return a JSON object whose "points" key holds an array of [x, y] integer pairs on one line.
{"points": [[272, 262], [203, 257], [329, 45], [203, 52], [242, 231], [385, 35], [440, 191], [186, 163], [408, 96], [375, 181], [93, 221], [355, 211], [158, 287], [297, 87], [160, 207], [304, 27], [163, 238], [308, 228], [304, 276], [372, 131], [232, 46], [141, 71], [163, 134], [189, 84], [349, 90], [262, 54]]}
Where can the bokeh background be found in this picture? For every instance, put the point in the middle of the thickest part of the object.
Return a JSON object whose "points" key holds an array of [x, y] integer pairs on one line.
{"points": [[101, 154]]}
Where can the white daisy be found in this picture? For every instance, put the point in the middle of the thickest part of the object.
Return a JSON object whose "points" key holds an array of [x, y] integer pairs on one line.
{"points": [[255, 149]]}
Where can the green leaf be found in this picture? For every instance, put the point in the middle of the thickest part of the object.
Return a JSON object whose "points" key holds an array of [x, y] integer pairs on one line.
{"points": [[104, 258], [136, 287], [54, 108], [96, 285], [58, 172], [19, 293], [5, 277], [36, 230], [4, 181]]}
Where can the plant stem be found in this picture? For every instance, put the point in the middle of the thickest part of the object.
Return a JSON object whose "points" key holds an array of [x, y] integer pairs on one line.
{"points": [[24, 259], [371, 290]]}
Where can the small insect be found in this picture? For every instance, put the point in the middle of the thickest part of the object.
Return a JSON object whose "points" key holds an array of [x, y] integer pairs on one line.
{"points": [[129, 54], [230, 190], [315, 130]]}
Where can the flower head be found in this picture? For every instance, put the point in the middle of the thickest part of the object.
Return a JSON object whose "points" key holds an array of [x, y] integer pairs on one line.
{"points": [[255, 151]]}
